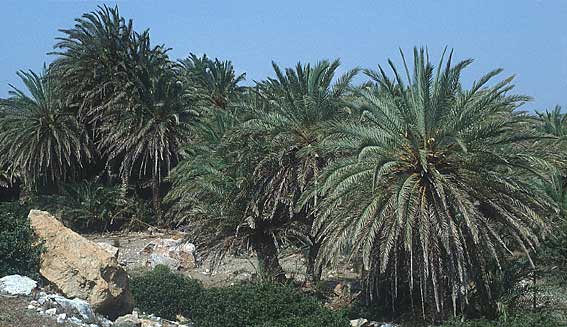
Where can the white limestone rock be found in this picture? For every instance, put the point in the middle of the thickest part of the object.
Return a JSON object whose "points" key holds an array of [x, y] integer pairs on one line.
{"points": [[17, 285]]}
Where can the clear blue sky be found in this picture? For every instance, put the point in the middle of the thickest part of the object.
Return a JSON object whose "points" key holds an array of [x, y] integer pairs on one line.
{"points": [[525, 37]]}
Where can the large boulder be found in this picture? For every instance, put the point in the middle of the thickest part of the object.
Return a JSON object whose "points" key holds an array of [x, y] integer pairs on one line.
{"points": [[81, 268]]}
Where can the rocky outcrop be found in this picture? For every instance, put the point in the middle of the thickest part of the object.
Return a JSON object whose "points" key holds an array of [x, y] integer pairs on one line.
{"points": [[109, 248], [71, 312], [81, 268], [176, 254]]}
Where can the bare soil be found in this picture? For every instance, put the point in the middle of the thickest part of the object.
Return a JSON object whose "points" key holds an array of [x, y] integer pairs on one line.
{"points": [[14, 313], [233, 269]]}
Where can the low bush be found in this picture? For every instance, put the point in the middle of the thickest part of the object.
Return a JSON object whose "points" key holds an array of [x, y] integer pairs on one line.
{"points": [[92, 206], [523, 319], [19, 249], [262, 305], [167, 294]]}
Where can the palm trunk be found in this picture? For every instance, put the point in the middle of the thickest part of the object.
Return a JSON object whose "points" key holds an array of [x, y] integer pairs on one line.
{"points": [[25, 194], [268, 261], [487, 303], [156, 201], [124, 187], [313, 271]]}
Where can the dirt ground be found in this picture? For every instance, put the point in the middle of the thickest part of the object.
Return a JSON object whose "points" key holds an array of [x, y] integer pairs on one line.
{"points": [[14, 313], [232, 269]]}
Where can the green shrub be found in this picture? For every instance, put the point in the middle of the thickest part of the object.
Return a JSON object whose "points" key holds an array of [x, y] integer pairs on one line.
{"points": [[166, 294], [19, 251], [262, 305], [89, 206], [523, 319]]}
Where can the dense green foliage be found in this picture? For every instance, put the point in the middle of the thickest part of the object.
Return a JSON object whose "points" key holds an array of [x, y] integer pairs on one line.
{"points": [[39, 138], [19, 248], [94, 206], [445, 193], [167, 294], [448, 194], [524, 319]]}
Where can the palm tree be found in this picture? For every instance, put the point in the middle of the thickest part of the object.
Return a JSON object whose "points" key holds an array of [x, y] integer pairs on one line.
{"points": [[211, 84], [99, 64], [263, 163], [39, 138], [209, 188], [434, 184], [148, 139], [300, 105], [554, 125], [94, 62], [553, 122], [128, 93]]}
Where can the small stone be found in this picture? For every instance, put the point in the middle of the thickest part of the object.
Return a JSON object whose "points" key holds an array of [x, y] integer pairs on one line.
{"points": [[61, 318], [358, 322], [149, 323], [104, 322], [75, 320], [51, 311], [182, 319], [129, 320], [31, 307], [176, 254]]}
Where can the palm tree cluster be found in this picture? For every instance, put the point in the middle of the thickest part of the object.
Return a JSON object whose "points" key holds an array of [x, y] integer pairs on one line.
{"points": [[429, 183]]}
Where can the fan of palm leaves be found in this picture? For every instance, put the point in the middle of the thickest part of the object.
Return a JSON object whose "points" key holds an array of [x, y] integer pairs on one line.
{"points": [[211, 83], [553, 122], [296, 108], [40, 139], [147, 140], [6, 178], [437, 183], [95, 62]]}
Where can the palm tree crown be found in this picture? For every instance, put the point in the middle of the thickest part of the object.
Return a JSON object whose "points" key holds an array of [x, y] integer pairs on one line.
{"points": [[432, 180], [553, 122], [39, 137], [211, 83]]}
